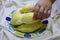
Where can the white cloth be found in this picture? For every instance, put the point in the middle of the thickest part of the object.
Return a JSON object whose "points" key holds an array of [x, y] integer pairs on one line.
{"points": [[6, 6]]}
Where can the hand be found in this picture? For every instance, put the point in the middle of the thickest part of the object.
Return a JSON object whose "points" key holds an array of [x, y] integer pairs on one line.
{"points": [[42, 9]]}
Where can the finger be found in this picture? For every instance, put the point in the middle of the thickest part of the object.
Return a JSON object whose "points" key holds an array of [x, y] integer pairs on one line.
{"points": [[41, 9], [49, 13], [40, 13], [36, 12], [32, 10], [35, 8], [45, 13], [35, 16]]}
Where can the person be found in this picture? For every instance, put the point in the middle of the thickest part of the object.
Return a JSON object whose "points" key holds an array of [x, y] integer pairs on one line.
{"points": [[42, 9]]}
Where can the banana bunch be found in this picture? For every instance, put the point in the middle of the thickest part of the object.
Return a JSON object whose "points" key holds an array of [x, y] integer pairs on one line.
{"points": [[24, 19]]}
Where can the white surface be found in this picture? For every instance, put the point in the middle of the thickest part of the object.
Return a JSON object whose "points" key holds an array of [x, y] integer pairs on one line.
{"points": [[52, 31]]}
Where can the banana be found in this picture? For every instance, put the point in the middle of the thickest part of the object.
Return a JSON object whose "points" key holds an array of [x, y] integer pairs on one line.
{"points": [[26, 8]]}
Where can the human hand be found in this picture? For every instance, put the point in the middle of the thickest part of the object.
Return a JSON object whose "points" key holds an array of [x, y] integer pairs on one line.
{"points": [[42, 9]]}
